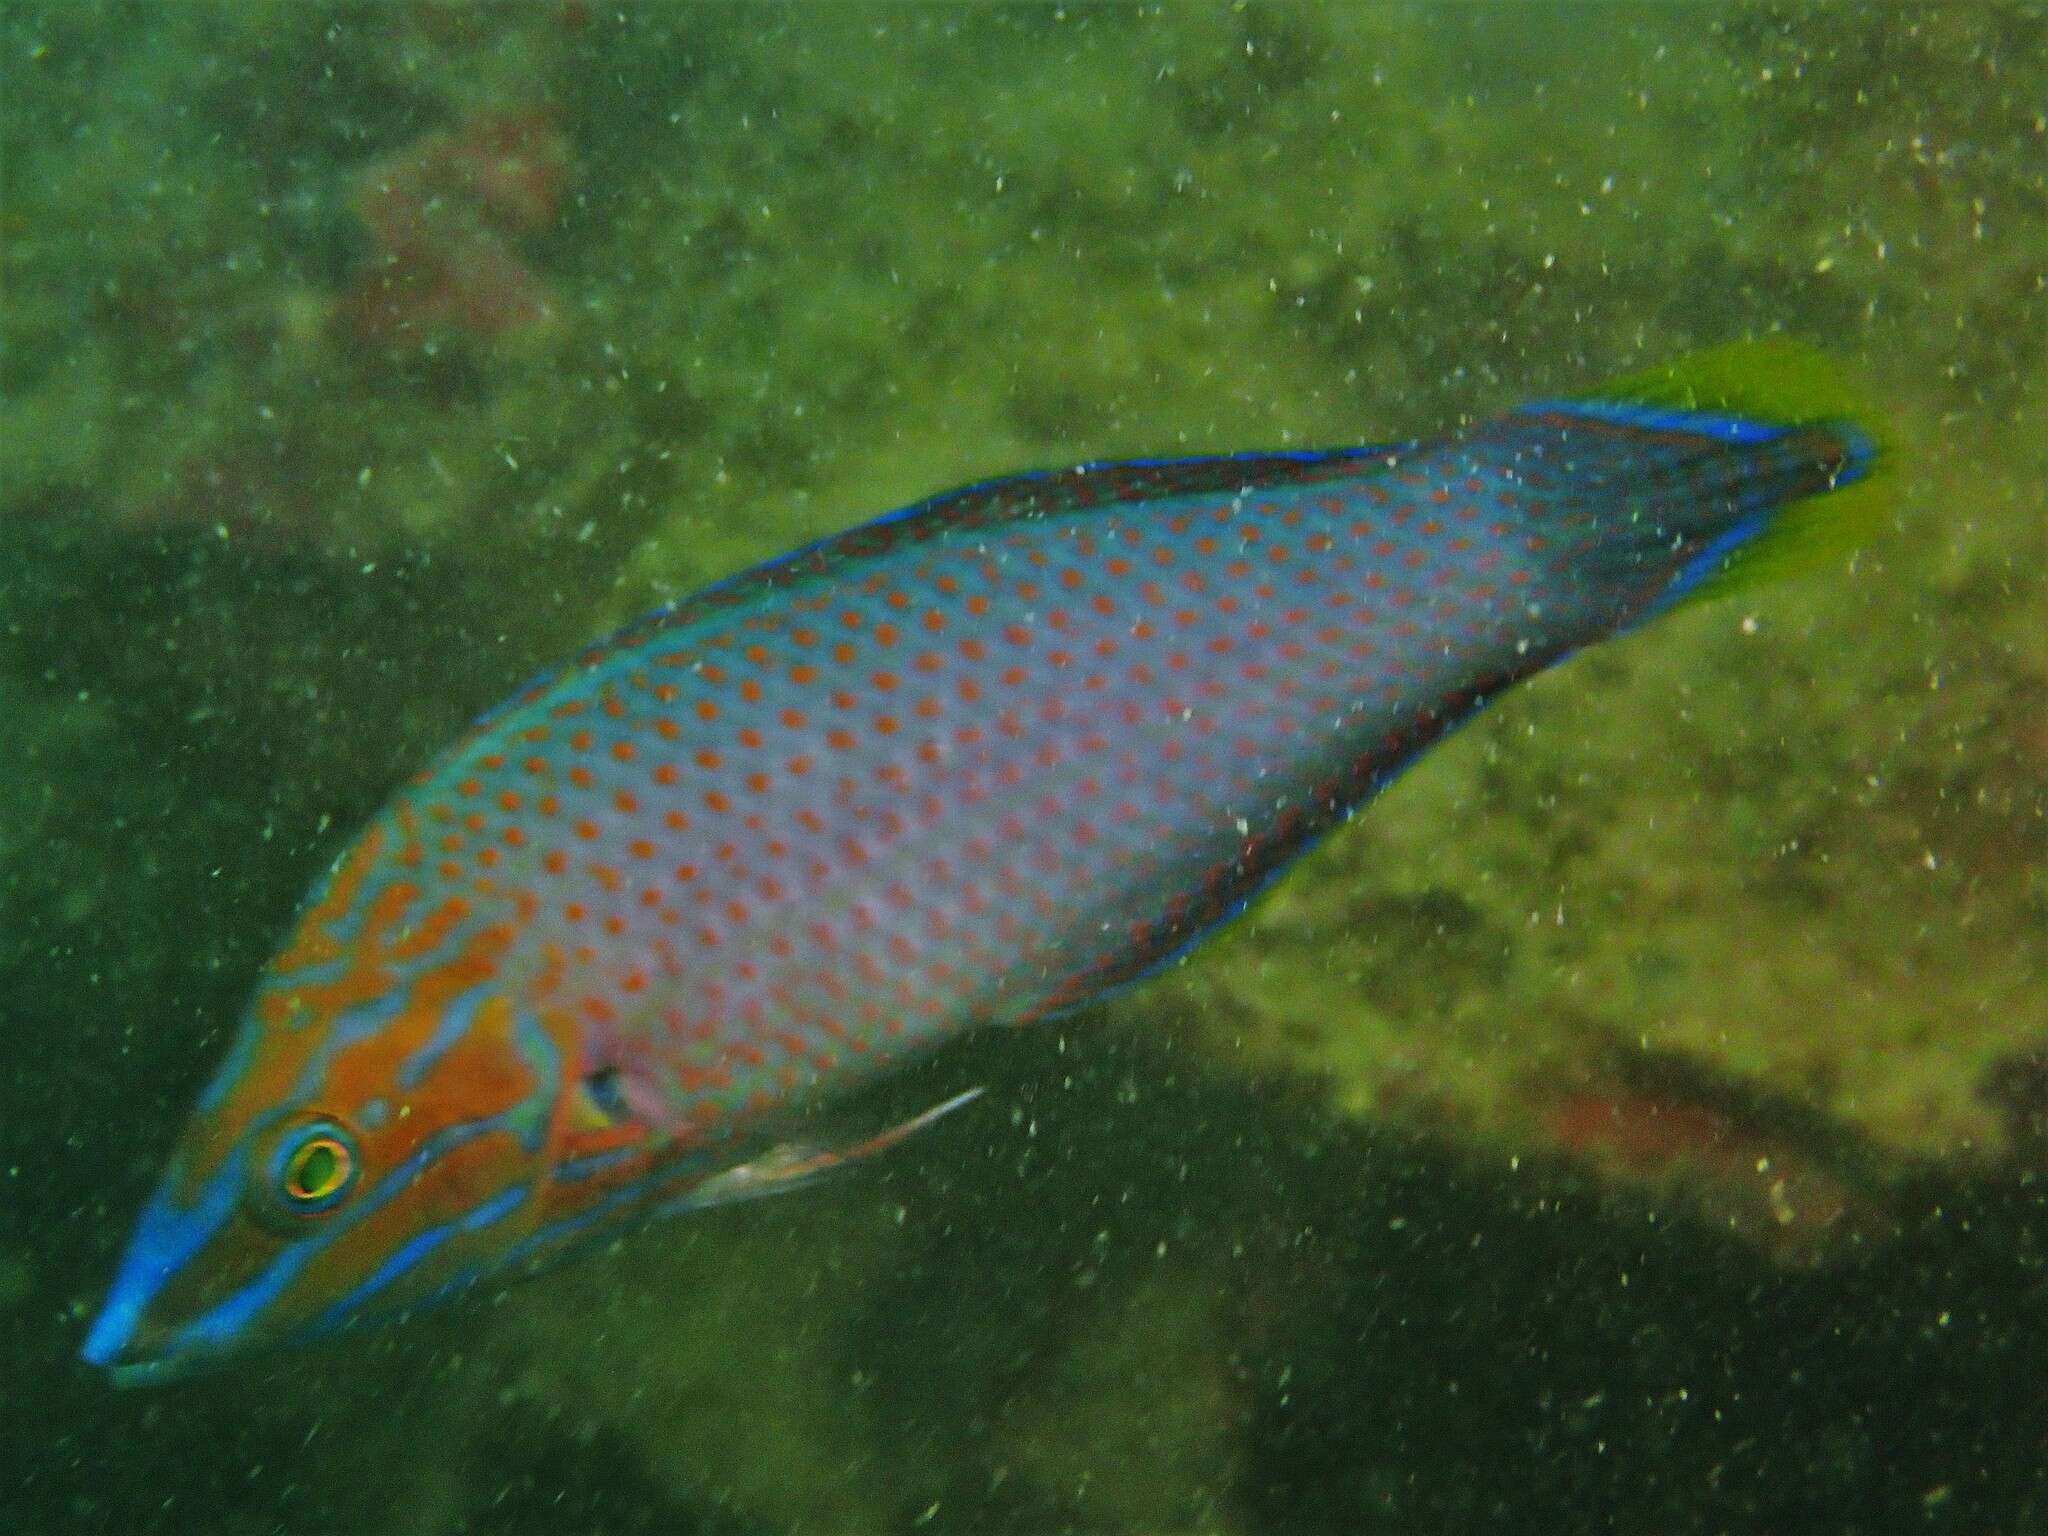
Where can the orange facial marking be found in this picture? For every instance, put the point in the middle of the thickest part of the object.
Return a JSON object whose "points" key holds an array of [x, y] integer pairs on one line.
{"points": [[311, 944], [358, 1071]]}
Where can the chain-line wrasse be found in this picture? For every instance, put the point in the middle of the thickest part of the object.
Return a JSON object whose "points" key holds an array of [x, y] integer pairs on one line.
{"points": [[971, 763]]}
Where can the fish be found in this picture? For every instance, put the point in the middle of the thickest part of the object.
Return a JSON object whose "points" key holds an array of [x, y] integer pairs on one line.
{"points": [[627, 948]]}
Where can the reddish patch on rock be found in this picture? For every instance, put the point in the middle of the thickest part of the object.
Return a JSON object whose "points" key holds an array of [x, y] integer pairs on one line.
{"points": [[447, 213], [1646, 1132], [1757, 1183]]}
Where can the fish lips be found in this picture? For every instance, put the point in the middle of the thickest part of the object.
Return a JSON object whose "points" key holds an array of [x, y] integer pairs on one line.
{"points": [[125, 1339]]}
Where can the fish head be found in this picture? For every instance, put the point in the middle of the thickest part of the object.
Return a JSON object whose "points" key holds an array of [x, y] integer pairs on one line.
{"points": [[387, 1129]]}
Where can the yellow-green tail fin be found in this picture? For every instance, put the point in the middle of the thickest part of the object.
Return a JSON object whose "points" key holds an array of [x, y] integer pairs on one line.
{"points": [[1779, 383]]}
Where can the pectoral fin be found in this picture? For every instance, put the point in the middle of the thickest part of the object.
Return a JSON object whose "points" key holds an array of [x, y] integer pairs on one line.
{"points": [[792, 1164]]}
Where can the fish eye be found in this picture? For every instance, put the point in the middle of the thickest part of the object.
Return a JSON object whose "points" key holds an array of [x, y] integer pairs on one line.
{"points": [[313, 1169]]}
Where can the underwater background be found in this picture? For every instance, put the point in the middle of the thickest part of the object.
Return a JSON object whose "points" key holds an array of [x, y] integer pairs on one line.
{"points": [[1638, 1121]]}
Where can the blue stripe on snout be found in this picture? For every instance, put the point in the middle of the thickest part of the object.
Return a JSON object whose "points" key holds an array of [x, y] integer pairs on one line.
{"points": [[166, 1237]]}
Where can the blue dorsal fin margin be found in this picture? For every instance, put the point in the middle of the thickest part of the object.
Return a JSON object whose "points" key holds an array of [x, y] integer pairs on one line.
{"points": [[1653, 418]]}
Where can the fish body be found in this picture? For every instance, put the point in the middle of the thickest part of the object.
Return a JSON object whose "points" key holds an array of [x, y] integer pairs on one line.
{"points": [[969, 764]]}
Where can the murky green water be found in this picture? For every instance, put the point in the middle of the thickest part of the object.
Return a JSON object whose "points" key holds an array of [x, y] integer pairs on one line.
{"points": [[1636, 1123]]}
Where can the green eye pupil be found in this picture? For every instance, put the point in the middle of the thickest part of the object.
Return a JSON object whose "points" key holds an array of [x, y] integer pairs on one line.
{"points": [[316, 1170]]}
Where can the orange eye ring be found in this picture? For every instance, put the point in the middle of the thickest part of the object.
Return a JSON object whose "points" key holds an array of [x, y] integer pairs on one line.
{"points": [[311, 1167]]}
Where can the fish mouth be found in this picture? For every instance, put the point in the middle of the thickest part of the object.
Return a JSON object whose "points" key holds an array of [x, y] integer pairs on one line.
{"points": [[127, 1346], [112, 1331], [119, 1344], [124, 1339], [142, 1369], [156, 1373], [136, 1352]]}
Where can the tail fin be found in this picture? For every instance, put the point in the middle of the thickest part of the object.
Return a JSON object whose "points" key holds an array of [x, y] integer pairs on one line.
{"points": [[1760, 391]]}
